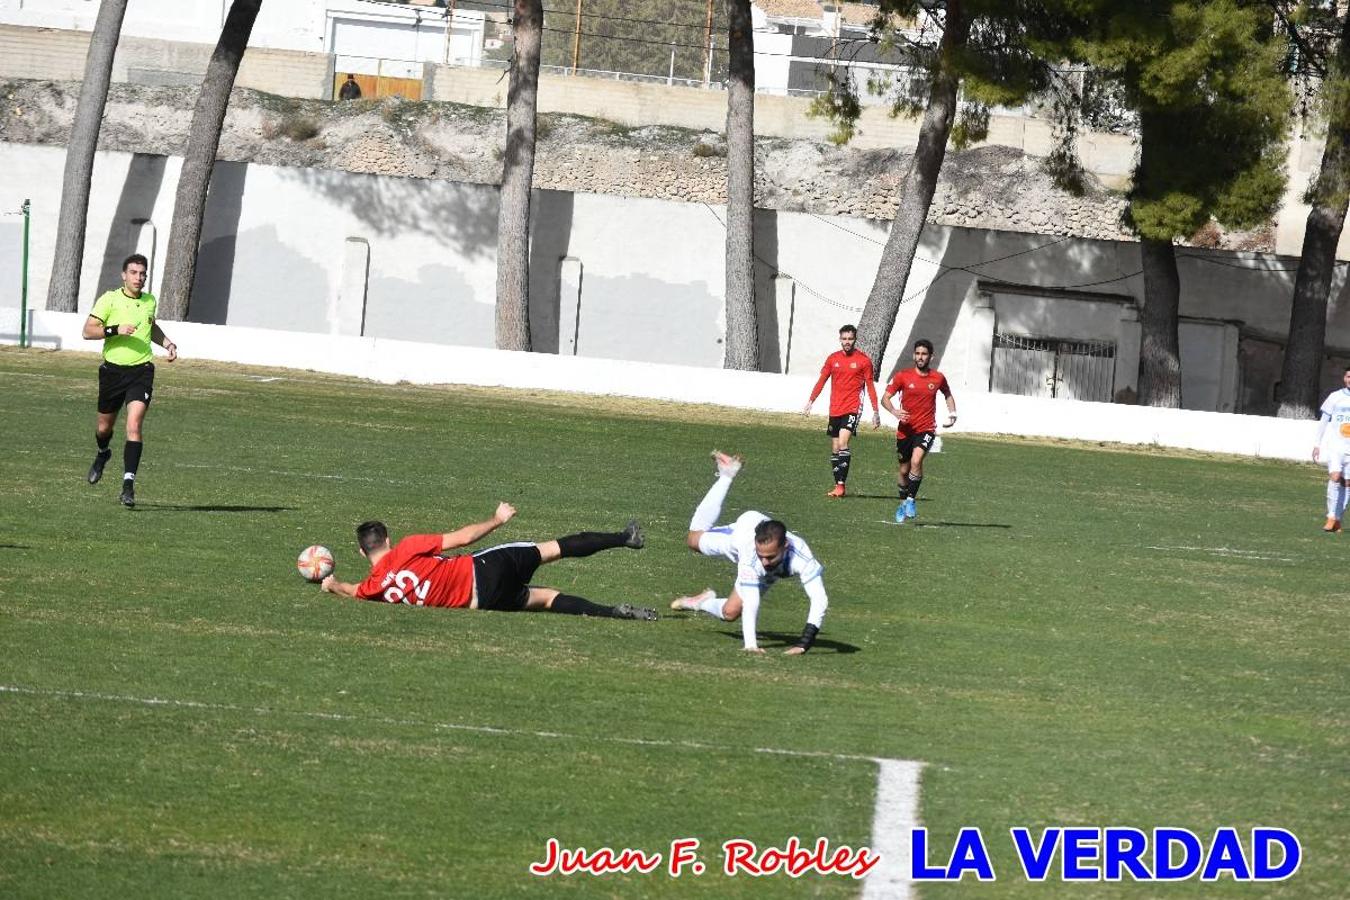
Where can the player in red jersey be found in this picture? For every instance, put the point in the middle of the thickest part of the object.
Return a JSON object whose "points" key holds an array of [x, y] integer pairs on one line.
{"points": [[414, 572], [917, 411], [848, 370]]}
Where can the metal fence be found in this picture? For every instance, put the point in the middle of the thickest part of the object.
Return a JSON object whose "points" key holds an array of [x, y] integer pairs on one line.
{"points": [[1053, 367]]}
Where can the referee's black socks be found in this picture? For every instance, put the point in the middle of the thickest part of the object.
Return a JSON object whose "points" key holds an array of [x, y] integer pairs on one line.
{"points": [[131, 459]]}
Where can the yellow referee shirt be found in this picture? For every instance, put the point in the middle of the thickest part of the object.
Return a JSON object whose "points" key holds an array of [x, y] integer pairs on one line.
{"points": [[116, 308]]}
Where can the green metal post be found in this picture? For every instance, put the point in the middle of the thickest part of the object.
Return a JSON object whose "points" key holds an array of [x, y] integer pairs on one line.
{"points": [[23, 279]]}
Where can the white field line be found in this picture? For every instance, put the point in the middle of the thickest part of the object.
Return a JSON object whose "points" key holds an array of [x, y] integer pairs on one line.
{"points": [[895, 813], [1226, 551]]}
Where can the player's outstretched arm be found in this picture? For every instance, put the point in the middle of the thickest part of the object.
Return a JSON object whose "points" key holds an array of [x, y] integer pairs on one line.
{"points": [[471, 534], [820, 602], [341, 588]]}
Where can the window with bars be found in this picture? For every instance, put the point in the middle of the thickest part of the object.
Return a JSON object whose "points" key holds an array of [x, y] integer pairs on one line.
{"points": [[1053, 367]]}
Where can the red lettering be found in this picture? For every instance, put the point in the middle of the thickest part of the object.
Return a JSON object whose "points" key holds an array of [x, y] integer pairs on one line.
{"points": [[866, 861], [681, 855], [738, 853], [550, 862], [601, 862]]}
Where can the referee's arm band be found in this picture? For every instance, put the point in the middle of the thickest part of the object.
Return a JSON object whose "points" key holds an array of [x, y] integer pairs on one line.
{"points": [[109, 331]]}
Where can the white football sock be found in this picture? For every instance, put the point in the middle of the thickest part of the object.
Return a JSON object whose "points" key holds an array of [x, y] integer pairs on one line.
{"points": [[710, 507], [1341, 496], [713, 606], [1335, 499]]}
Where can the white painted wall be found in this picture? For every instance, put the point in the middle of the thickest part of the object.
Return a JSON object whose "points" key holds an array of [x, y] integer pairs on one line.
{"points": [[649, 273], [285, 25], [390, 361]]}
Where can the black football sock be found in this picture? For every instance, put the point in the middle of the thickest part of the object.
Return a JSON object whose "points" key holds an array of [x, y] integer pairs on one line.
{"points": [[902, 487], [841, 471], [834, 467], [914, 486], [103, 443], [131, 459], [588, 542], [569, 605]]}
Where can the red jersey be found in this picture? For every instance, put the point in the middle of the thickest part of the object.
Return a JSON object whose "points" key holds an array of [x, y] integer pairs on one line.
{"points": [[848, 373], [415, 573], [918, 397]]}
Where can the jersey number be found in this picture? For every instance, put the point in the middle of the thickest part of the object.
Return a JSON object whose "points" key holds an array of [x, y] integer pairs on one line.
{"points": [[405, 582]]}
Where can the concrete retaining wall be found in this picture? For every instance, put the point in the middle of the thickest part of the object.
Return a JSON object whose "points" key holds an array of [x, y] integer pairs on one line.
{"points": [[390, 361]]}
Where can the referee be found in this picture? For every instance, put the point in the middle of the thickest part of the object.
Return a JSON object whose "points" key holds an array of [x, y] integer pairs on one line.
{"points": [[124, 319]]}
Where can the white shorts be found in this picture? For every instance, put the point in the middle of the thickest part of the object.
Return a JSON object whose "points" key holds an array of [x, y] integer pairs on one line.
{"points": [[724, 540], [1337, 457]]}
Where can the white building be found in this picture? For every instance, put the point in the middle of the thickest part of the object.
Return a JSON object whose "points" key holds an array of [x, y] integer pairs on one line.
{"points": [[364, 36]]}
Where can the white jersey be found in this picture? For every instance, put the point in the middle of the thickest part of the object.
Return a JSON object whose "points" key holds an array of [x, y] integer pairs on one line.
{"points": [[1336, 415], [736, 542]]}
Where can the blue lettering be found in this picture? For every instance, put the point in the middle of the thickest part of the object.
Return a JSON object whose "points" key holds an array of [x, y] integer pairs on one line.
{"points": [[1163, 867], [1226, 856], [1293, 854], [1035, 860], [970, 855], [1079, 848], [1124, 847], [919, 868]]}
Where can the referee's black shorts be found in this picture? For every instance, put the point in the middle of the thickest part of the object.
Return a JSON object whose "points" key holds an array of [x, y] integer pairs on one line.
{"points": [[502, 575], [118, 385]]}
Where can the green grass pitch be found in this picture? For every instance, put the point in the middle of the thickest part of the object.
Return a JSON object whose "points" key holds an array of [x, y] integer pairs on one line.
{"points": [[1076, 635]]}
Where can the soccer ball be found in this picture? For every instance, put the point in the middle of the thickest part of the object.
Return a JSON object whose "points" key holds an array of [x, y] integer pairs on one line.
{"points": [[315, 563]]}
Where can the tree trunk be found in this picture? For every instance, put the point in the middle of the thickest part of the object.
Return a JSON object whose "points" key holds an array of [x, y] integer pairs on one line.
{"points": [[1160, 347], [513, 220], [742, 350], [199, 160], [1302, 370], [63, 290], [916, 194]]}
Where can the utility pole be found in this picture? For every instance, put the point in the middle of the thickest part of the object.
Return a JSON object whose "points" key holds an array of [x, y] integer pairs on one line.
{"points": [[707, 44], [576, 40]]}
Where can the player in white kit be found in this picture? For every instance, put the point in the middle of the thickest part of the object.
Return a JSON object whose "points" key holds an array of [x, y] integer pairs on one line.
{"points": [[763, 550], [1336, 414]]}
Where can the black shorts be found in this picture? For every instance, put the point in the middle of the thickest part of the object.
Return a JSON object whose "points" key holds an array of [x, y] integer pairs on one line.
{"points": [[502, 575], [840, 423], [124, 384], [904, 446]]}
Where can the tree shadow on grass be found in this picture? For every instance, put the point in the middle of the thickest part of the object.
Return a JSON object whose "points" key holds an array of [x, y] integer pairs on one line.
{"points": [[206, 507], [781, 640]]}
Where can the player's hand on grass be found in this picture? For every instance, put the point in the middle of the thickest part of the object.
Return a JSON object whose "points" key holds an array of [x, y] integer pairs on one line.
{"points": [[505, 512], [327, 584]]}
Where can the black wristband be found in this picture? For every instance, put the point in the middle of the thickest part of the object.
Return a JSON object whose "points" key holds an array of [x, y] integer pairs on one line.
{"points": [[109, 331], [808, 637]]}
